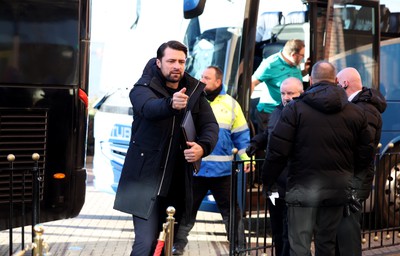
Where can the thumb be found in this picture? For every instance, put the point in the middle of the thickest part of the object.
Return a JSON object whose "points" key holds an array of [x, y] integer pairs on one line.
{"points": [[183, 90], [190, 143]]}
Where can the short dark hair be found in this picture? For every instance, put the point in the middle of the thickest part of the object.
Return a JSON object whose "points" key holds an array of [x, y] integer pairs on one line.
{"points": [[218, 72], [323, 71], [173, 45]]}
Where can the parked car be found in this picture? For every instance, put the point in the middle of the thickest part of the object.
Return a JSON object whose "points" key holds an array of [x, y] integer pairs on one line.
{"points": [[111, 132]]}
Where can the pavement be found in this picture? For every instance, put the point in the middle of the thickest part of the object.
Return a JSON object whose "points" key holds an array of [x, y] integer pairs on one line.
{"points": [[99, 230]]}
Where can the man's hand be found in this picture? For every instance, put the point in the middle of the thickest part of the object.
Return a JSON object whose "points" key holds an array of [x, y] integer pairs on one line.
{"points": [[353, 205], [307, 66], [194, 152], [251, 150], [179, 99], [247, 167]]}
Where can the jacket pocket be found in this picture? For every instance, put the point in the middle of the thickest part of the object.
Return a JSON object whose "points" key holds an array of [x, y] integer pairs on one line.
{"points": [[146, 163]]}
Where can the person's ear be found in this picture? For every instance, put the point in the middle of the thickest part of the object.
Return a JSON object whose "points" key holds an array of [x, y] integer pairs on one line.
{"points": [[345, 84], [158, 62]]}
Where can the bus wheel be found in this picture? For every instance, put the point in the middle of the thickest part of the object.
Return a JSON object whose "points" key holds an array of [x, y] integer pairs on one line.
{"points": [[388, 189]]}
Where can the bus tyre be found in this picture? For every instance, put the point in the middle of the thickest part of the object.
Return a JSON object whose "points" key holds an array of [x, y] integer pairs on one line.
{"points": [[388, 189]]}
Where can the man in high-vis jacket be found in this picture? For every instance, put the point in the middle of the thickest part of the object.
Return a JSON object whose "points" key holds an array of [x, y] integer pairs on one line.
{"points": [[215, 170]]}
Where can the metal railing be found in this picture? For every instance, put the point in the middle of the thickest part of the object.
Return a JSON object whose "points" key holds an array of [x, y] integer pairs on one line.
{"points": [[17, 197], [380, 218], [380, 221]]}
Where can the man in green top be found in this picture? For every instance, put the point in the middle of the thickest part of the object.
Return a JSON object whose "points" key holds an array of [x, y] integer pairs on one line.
{"points": [[272, 71]]}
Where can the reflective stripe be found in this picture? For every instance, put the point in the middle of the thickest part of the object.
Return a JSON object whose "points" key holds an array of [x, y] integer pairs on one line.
{"points": [[224, 126], [218, 158], [241, 152], [244, 127]]}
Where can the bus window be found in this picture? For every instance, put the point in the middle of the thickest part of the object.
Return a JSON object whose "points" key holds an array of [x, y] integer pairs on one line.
{"points": [[348, 37], [389, 54], [31, 37]]}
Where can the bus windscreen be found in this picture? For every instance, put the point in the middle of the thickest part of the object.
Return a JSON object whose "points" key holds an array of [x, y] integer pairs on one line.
{"points": [[39, 44]]}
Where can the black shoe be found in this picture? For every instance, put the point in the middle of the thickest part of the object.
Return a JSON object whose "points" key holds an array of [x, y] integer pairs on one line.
{"points": [[177, 250]]}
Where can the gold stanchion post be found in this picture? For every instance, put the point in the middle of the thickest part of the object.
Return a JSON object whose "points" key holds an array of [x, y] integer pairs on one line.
{"points": [[39, 246], [170, 231]]}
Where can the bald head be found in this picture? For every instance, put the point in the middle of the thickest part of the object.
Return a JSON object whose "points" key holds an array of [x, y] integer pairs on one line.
{"points": [[291, 87], [350, 80], [323, 71]]}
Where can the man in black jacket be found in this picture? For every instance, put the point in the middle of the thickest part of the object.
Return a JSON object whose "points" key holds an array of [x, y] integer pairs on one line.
{"points": [[156, 173], [374, 104], [324, 140], [290, 88]]}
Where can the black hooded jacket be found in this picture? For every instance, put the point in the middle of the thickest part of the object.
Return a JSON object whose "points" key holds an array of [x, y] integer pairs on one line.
{"points": [[155, 155], [374, 104], [323, 139]]}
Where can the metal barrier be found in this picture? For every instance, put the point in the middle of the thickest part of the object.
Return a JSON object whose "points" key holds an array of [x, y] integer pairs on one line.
{"points": [[166, 238], [18, 195], [247, 191], [39, 246], [380, 219]]}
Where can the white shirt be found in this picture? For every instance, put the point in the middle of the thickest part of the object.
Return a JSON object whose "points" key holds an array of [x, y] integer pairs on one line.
{"points": [[351, 97]]}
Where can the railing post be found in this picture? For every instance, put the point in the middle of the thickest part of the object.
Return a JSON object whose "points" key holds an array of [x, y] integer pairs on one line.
{"points": [[11, 159], [35, 193], [232, 211]]}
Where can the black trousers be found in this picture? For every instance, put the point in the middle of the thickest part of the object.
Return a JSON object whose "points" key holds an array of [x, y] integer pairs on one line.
{"points": [[279, 226], [348, 238], [220, 189], [322, 222], [148, 231]]}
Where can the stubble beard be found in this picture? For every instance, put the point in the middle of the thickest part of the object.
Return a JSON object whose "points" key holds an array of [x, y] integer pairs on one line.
{"points": [[174, 78]]}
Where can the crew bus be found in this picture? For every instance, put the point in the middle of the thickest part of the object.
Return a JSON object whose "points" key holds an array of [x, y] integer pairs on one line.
{"points": [[44, 56], [237, 34], [360, 34]]}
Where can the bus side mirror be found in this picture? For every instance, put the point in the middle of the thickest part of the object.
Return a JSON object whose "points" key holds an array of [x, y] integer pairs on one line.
{"points": [[193, 8]]}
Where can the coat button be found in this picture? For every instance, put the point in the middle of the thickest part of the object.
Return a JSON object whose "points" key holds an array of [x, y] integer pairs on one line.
{"points": [[141, 154]]}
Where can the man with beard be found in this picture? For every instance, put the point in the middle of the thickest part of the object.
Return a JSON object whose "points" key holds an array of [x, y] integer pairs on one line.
{"points": [[158, 169]]}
